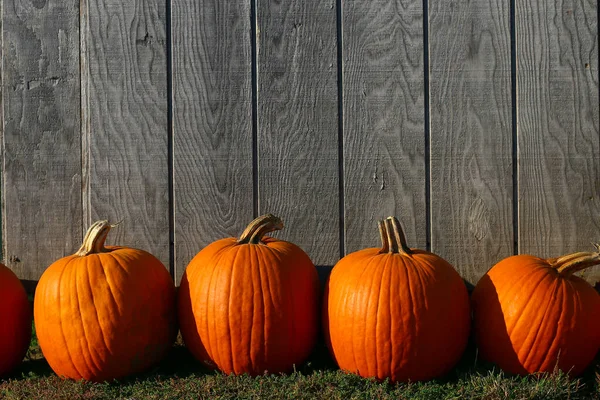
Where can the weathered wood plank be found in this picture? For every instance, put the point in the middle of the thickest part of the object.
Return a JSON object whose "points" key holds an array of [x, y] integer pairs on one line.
{"points": [[471, 133], [298, 176], [42, 217], [383, 109], [212, 117], [128, 134], [558, 137]]}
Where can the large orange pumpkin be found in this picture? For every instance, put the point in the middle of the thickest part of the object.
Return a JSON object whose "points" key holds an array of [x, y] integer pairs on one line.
{"points": [[104, 312], [395, 312], [533, 315], [15, 317], [250, 305]]}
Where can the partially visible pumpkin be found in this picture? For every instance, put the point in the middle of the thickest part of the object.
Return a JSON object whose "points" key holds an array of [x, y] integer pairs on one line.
{"points": [[250, 305], [395, 312], [104, 312], [15, 320], [534, 315]]}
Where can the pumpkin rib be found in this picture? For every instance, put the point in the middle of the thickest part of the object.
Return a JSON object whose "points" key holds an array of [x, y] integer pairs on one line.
{"points": [[385, 281], [109, 285], [365, 337], [62, 296], [229, 315], [256, 260], [516, 322], [390, 314], [365, 270], [89, 356], [291, 328], [539, 327], [532, 290], [377, 319], [426, 262], [214, 352], [393, 320], [269, 304], [576, 302], [414, 299], [566, 305], [363, 345], [116, 261], [407, 306], [93, 296], [514, 285]]}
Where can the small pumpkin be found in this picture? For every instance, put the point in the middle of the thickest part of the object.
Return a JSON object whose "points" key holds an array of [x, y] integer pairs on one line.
{"points": [[104, 312], [15, 314], [250, 305], [395, 312], [534, 315]]}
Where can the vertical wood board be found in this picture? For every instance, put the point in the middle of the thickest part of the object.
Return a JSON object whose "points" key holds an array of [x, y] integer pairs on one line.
{"points": [[383, 109], [42, 217], [558, 136], [297, 112], [471, 133], [212, 117], [128, 135]]}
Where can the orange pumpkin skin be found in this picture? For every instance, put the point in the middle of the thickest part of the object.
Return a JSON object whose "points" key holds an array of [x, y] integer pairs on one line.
{"points": [[250, 308], [528, 317], [105, 315], [15, 314], [405, 317]]}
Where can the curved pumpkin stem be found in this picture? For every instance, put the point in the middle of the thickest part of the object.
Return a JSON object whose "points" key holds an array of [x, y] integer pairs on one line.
{"points": [[258, 228], [569, 264], [95, 237], [392, 237]]}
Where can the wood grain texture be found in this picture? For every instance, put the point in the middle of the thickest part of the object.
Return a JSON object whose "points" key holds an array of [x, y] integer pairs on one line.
{"points": [[42, 218], [558, 136], [471, 133], [128, 137], [298, 177], [383, 109], [212, 117]]}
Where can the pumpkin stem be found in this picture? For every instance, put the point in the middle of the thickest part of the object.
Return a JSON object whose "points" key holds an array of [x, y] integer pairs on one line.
{"points": [[95, 238], [385, 245], [392, 237], [258, 228], [569, 264]]}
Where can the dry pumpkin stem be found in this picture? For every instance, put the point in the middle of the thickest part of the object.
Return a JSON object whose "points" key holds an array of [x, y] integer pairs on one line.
{"points": [[385, 245], [392, 237], [95, 237], [571, 263], [258, 228]]}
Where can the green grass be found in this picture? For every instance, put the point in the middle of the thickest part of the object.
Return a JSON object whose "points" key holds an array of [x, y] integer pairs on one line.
{"points": [[179, 376]]}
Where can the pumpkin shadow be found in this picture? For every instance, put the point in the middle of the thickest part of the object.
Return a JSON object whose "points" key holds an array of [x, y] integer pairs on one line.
{"points": [[178, 362], [38, 368]]}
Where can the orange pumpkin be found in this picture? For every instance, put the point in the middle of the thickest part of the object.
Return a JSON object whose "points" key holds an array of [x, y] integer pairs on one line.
{"points": [[250, 305], [395, 312], [104, 312], [533, 315], [15, 314]]}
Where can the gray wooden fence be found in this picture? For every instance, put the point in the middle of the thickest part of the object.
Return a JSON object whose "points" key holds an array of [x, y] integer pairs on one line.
{"points": [[476, 122]]}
